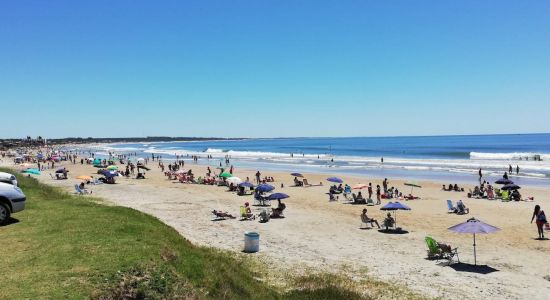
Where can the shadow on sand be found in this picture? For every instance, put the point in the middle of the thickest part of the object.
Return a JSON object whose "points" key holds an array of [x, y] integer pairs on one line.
{"points": [[393, 231], [479, 269]]}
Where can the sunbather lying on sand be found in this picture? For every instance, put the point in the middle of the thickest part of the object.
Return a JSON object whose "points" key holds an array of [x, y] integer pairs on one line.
{"points": [[222, 214]]}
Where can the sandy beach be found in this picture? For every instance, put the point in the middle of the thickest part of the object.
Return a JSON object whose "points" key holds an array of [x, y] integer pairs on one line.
{"points": [[326, 236]]}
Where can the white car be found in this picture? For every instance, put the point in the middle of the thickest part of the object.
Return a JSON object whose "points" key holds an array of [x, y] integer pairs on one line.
{"points": [[12, 200], [8, 178]]}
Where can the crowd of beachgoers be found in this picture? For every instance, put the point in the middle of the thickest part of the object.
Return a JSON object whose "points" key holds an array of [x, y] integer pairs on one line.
{"points": [[264, 196], [128, 165]]}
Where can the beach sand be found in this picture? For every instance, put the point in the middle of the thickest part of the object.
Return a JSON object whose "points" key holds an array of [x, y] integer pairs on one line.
{"points": [[325, 236]]}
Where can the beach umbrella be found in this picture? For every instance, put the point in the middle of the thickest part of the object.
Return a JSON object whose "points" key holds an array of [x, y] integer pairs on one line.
{"points": [[395, 206], [246, 184], [335, 179], [141, 159], [474, 226], [413, 185], [97, 161], [504, 181], [359, 186], [297, 174], [510, 187], [32, 171], [112, 168], [234, 180], [84, 177], [277, 196], [110, 173], [226, 175], [263, 188]]}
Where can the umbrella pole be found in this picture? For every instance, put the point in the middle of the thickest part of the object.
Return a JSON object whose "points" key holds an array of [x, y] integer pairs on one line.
{"points": [[475, 256]]}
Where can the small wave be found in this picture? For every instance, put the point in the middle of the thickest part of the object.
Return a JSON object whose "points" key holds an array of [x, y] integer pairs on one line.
{"points": [[507, 156], [214, 150]]}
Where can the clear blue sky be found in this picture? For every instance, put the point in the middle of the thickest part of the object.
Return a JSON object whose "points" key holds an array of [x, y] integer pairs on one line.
{"points": [[273, 68]]}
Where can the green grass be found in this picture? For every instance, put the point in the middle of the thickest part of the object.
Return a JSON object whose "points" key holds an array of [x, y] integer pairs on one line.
{"points": [[67, 246]]}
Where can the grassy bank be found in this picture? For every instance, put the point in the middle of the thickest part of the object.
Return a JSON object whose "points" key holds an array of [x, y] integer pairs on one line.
{"points": [[67, 246]]}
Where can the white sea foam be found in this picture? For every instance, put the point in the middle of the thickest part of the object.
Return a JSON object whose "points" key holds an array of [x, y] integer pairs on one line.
{"points": [[493, 164], [508, 156]]}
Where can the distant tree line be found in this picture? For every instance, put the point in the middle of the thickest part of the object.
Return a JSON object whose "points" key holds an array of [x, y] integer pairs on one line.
{"points": [[28, 141]]}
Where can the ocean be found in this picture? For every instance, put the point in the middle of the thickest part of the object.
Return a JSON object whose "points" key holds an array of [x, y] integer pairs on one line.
{"points": [[447, 159]]}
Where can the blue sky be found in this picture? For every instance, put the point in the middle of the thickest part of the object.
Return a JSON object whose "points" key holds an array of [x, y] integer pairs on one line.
{"points": [[273, 68]]}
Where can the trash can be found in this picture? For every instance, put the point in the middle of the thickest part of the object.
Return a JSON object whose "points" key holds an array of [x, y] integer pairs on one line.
{"points": [[251, 242]]}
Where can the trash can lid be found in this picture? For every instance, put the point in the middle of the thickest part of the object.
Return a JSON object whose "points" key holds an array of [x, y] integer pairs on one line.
{"points": [[252, 234]]}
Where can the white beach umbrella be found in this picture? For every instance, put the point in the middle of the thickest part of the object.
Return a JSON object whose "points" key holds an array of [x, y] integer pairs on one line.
{"points": [[234, 180]]}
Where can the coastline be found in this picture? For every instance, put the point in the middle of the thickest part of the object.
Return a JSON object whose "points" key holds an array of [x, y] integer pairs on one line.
{"points": [[299, 242]]}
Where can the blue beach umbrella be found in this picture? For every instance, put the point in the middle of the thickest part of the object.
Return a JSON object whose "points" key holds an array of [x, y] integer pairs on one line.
{"points": [[504, 181], [395, 206], [246, 184], [474, 226], [297, 174], [511, 186], [277, 196], [263, 188], [335, 179]]}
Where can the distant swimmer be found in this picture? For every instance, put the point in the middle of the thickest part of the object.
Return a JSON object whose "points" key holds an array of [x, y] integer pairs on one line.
{"points": [[382, 160]]}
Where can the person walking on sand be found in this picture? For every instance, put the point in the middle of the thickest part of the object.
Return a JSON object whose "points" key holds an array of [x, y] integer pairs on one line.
{"points": [[258, 175], [378, 194], [370, 190], [540, 220], [480, 175]]}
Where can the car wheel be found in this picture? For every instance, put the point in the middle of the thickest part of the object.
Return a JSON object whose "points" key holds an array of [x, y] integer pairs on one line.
{"points": [[4, 213]]}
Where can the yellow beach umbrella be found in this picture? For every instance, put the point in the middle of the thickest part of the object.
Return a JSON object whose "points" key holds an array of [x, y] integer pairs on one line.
{"points": [[84, 177]]}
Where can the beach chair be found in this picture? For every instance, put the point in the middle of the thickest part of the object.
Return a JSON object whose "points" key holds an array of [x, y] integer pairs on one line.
{"points": [[439, 251], [79, 190], [305, 182], [244, 215], [450, 207], [370, 202]]}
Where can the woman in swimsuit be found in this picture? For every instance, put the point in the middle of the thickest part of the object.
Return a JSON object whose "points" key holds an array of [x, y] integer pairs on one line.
{"points": [[540, 220]]}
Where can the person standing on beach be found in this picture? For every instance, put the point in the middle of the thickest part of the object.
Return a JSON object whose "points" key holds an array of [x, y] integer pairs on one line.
{"points": [[370, 190], [385, 185], [517, 170], [378, 194], [258, 175], [480, 175], [540, 220]]}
